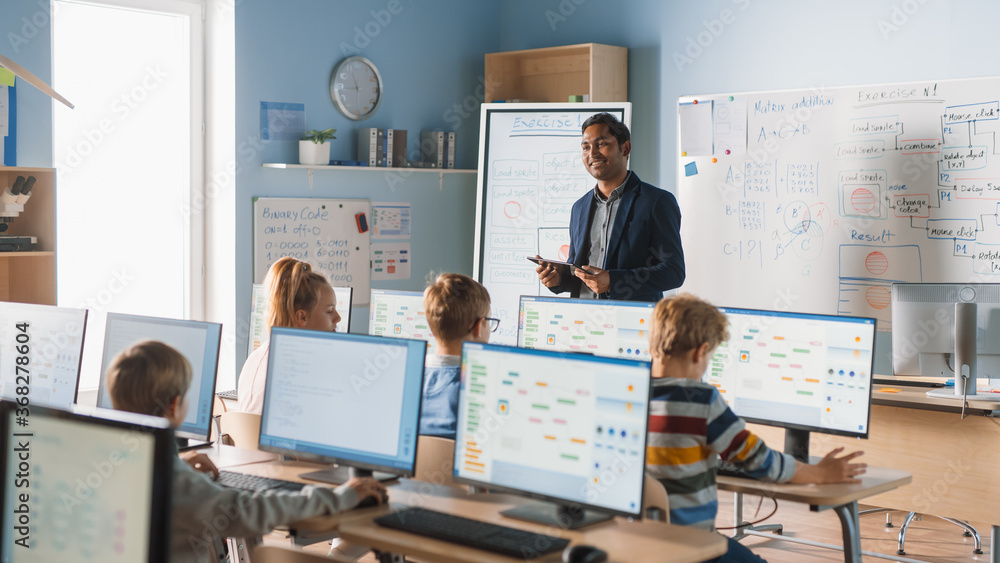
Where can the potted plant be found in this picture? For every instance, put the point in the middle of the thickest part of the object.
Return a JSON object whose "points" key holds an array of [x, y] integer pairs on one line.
{"points": [[314, 149]]}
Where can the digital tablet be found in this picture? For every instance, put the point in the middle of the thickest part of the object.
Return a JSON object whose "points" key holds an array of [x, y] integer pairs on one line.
{"points": [[560, 262]]}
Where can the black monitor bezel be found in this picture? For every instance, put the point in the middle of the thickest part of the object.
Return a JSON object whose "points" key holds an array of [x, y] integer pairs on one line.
{"points": [[320, 458], [164, 457], [102, 379], [542, 496], [804, 427]]}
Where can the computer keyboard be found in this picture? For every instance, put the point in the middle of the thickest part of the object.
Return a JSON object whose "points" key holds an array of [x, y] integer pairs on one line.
{"points": [[256, 484], [227, 395], [473, 533], [907, 383]]}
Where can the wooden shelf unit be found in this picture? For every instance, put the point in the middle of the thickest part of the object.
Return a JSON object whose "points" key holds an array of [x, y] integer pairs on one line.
{"points": [[555, 73], [30, 277]]}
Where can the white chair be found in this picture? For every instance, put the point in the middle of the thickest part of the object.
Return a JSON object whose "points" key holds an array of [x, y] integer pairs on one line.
{"points": [[243, 428], [655, 502]]}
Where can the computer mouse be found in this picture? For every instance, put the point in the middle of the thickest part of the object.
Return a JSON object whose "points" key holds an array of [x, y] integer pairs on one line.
{"points": [[584, 554], [370, 501]]}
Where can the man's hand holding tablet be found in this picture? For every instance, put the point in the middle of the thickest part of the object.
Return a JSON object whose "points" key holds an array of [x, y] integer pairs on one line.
{"points": [[549, 270]]}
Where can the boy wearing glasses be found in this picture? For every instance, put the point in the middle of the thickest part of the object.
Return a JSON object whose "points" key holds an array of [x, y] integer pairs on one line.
{"points": [[457, 309]]}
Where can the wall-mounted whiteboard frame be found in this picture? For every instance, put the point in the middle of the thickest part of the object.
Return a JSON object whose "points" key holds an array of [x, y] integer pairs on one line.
{"points": [[541, 156]]}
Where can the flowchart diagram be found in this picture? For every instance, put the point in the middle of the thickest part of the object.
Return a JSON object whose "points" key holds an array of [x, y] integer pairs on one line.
{"points": [[842, 192]]}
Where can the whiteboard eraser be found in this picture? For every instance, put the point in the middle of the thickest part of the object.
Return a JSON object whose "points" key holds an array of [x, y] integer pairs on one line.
{"points": [[362, 222]]}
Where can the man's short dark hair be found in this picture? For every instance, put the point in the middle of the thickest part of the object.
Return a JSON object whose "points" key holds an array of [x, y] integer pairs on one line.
{"points": [[617, 128]]}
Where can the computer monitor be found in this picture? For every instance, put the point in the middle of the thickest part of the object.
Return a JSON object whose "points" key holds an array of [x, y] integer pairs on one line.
{"points": [[52, 341], [923, 332], [198, 341], [258, 305], [400, 314], [619, 329], [349, 399], [800, 371], [87, 485], [558, 426]]}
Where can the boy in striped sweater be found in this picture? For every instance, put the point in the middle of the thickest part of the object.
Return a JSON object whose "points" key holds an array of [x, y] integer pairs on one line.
{"points": [[692, 430]]}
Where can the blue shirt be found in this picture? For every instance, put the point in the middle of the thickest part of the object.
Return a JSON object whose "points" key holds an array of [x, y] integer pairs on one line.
{"points": [[439, 411]]}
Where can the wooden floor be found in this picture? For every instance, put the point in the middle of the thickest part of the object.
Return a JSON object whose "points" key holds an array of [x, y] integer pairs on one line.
{"points": [[929, 539]]}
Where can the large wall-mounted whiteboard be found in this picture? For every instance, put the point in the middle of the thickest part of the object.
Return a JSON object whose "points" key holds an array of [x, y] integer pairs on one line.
{"points": [[819, 199], [322, 232], [530, 173]]}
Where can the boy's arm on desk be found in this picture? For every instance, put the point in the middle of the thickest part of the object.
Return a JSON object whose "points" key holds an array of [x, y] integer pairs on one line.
{"points": [[876, 480]]}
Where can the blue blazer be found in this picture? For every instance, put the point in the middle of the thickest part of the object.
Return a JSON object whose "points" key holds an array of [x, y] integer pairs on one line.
{"points": [[644, 255]]}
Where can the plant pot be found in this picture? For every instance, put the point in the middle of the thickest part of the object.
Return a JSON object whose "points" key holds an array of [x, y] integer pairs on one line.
{"points": [[312, 153]]}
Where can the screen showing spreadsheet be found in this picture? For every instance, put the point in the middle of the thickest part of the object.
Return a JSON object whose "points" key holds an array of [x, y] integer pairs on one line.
{"points": [[797, 370], [556, 425], [618, 329]]}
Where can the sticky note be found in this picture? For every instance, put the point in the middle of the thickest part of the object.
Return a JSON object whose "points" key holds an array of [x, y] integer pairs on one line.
{"points": [[690, 169], [6, 77], [889, 390]]}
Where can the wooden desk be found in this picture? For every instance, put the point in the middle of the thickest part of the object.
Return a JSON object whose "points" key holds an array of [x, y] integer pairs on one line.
{"points": [[226, 457], [623, 540], [953, 461], [843, 499]]}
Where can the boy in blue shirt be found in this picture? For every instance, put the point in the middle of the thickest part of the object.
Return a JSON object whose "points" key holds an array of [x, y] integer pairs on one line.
{"points": [[457, 309]]}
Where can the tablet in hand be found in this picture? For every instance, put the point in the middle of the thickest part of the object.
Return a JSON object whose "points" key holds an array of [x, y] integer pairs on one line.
{"points": [[539, 261]]}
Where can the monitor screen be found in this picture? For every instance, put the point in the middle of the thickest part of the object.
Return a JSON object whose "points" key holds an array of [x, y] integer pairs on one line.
{"points": [[554, 425], [797, 370], [923, 328], [93, 486], [198, 341], [259, 331], [400, 314], [52, 342], [618, 329], [343, 398]]}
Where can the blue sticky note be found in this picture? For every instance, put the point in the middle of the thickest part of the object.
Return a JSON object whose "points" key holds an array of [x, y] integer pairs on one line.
{"points": [[690, 169]]}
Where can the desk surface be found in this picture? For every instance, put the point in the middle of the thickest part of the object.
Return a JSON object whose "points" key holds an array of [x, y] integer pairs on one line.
{"points": [[876, 480], [623, 540], [225, 457], [916, 397]]}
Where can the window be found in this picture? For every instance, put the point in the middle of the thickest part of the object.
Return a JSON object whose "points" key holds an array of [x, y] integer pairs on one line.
{"points": [[129, 160]]}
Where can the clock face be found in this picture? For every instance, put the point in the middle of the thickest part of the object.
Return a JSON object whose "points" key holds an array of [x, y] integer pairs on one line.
{"points": [[356, 87]]}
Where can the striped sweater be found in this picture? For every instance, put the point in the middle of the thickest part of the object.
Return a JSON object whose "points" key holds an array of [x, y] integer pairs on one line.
{"points": [[692, 430]]}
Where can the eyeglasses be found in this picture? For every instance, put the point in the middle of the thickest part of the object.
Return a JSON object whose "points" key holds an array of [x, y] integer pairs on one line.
{"points": [[493, 323]]}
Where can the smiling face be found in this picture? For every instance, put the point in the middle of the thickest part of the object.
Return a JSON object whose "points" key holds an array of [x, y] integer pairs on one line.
{"points": [[603, 157]]}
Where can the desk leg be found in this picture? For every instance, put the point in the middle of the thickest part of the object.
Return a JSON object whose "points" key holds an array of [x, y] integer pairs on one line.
{"points": [[742, 527], [849, 524], [995, 544]]}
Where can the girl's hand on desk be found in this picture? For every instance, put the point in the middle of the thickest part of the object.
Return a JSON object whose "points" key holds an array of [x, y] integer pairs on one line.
{"points": [[201, 462], [831, 469], [366, 487]]}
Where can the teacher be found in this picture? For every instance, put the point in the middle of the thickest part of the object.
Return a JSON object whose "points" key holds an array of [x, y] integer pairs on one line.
{"points": [[625, 232]]}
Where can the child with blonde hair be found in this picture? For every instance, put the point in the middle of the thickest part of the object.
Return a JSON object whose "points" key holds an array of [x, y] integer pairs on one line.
{"points": [[457, 309], [297, 297], [692, 429]]}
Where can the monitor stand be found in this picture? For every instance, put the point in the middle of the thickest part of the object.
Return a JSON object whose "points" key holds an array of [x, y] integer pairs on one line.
{"points": [[966, 361], [554, 514], [797, 444], [186, 444], [340, 474]]}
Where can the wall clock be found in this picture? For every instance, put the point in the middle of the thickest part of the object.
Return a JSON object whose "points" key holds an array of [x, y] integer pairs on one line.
{"points": [[356, 88]]}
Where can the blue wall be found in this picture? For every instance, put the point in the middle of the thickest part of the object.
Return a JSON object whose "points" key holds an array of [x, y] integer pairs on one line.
{"points": [[773, 45], [26, 39], [430, 56]]}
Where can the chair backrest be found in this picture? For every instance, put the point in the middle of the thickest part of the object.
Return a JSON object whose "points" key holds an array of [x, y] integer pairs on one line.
{"points": [[435, 460], [655, 502], [243, 428], [277, 554]]}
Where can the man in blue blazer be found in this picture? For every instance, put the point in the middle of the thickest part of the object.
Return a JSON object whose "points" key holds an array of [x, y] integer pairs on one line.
{"points": [[626, 233]]}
